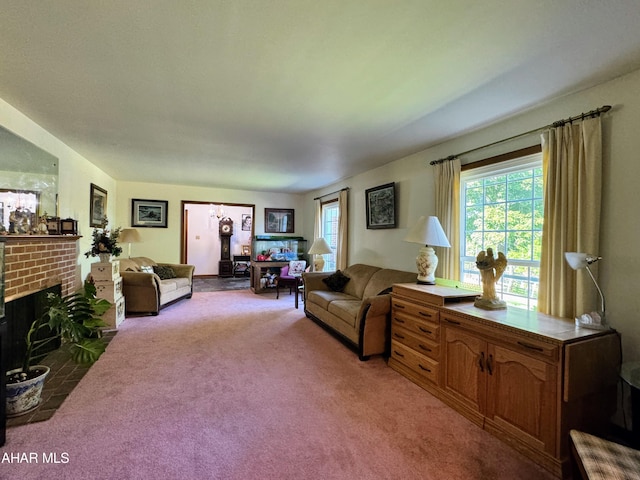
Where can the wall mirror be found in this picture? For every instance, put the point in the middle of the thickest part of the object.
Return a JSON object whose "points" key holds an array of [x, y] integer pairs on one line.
{"points": [[28, 182]]}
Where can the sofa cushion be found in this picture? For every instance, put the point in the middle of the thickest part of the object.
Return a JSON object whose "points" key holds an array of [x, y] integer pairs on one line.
{"points": [[167, 286], [360, 275], [323, 298], [164, 272], [336, 281], [383, 279], [346, 310]]}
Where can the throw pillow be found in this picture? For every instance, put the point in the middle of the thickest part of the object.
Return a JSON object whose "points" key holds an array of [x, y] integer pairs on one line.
{"points": [[146, 269], [336, 281], [164, 272]]}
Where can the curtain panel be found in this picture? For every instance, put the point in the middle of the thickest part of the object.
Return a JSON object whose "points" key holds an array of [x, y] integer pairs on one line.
{"points": [[572, 172], [447, 192]]}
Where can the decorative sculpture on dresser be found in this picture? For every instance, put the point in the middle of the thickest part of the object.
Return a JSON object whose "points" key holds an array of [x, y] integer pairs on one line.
{"points": [[491, 269]]}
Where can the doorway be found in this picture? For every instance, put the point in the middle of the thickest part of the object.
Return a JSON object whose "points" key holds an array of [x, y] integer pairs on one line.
{"points": [[201, 245]]}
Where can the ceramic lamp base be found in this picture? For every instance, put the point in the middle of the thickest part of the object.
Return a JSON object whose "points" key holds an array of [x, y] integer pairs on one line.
{"points": [[427, 262]]}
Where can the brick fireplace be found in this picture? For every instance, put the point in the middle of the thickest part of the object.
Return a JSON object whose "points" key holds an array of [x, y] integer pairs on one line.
{"points": [[33, 263]]}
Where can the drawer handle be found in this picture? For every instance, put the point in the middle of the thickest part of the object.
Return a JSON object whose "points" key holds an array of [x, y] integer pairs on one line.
{"points": [[452, 321], [481, 361], [397, 335], [398, 353], [398, 306], [399, 320], [490, 364], [424, 330], [425, 314], [426, 349], [531, 347], [425, 368]]}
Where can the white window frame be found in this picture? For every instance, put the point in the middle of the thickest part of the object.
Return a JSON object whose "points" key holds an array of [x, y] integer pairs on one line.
{"points": [[330, 215], [532, 267]]}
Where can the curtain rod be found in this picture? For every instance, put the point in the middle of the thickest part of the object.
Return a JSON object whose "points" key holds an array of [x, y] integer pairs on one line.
{"points": [[559, 123], [331, 193]]}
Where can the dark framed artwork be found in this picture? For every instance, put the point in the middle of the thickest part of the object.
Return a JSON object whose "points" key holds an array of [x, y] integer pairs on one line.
{"points": [[246, 222], [98, 206], [149, 213], [381, 206], [279, 220]]}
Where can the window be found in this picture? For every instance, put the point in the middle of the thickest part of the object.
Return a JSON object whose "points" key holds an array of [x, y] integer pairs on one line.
{"points": [[330, 213], [502, 208]]}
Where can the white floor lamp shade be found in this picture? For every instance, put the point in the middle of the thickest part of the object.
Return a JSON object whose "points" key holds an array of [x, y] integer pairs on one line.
{"points": [[319, 248], [129, 235], [428, 232]]}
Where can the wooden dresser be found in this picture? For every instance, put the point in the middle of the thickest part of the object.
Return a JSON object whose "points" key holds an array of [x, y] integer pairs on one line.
{"points": [[526, 377]]}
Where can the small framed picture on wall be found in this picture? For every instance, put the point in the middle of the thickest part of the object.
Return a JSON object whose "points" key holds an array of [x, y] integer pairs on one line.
{"points": [[381, 206], [149, 213]]}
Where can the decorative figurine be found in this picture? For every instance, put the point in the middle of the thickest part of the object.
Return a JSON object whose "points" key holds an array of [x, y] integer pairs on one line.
{"points": [[491, 269]]}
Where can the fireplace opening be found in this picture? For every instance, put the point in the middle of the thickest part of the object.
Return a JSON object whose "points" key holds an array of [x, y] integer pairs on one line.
{"points": [[19, 315]]}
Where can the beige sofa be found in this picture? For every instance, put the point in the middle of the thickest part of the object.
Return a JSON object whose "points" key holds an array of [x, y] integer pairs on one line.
{"points": [[359, 314], [147, 292]]}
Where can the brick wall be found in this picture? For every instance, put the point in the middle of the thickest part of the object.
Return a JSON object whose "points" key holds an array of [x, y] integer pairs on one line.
{"points": [[36, 262]]}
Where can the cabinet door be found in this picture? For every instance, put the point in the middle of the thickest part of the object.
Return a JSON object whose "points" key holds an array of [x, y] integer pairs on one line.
{"points": [[464, 368], [521, 396]]}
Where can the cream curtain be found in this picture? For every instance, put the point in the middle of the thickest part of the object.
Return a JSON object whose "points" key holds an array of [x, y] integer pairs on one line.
{"points": [[572, 172], [447, 190], [343, 229]]}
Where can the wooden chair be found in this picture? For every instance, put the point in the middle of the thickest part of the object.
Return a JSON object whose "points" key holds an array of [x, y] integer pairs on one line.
{"points": [[291, 276]]}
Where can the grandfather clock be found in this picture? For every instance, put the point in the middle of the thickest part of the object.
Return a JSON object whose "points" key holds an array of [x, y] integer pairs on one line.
{"points": [[225, 267]]}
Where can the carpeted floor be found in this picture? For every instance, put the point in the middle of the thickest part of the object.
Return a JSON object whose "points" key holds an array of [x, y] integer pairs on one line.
{"points": [[233, 385]]}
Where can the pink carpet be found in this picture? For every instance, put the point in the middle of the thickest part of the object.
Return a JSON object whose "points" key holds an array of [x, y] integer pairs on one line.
{"points": [[233, 385]]}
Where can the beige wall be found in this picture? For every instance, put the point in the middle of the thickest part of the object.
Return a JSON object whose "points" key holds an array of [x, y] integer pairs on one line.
{"points": [[620, 268]]}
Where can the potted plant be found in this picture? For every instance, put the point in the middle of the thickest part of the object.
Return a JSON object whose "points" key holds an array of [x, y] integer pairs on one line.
{"points": [[105, 242], [74, 319]]}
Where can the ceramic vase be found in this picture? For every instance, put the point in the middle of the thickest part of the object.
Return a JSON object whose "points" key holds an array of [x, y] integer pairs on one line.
{"points": [[22, 397]]}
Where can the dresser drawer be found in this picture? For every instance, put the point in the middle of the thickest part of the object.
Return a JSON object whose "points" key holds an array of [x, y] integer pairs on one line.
{"points": [[419, 344], [420, 327], [423, 366], [417, 310]]}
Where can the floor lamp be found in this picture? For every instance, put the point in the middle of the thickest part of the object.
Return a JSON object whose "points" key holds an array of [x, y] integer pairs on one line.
{"points": [[130, 235]]}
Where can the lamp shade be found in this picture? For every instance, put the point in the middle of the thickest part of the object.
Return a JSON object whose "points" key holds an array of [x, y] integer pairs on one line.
{"points": [[578, 260], [320, 247], [428, 231], [130, 235]]}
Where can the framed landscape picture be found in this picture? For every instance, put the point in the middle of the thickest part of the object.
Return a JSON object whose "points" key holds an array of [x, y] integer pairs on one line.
{"points": [[97, 206], [381, 206], [279, 220], [149, 213]]}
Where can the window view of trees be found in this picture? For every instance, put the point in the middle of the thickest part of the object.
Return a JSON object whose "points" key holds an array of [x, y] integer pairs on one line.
{"points": [[330, 213], [504, 210]]}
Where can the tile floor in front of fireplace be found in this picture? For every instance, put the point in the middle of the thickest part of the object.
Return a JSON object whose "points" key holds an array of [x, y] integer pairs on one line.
{"points": [[64, 376]]}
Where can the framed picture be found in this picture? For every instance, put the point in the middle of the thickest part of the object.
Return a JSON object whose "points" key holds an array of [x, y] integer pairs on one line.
{"points": [[381, 206], [98, 207], [246, 222], [149, 213], [279, 220], [246, 249]]}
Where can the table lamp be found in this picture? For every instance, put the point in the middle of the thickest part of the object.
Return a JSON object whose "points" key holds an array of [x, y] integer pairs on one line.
{"points": [[129, 235], [427, 232], [319, 248]]}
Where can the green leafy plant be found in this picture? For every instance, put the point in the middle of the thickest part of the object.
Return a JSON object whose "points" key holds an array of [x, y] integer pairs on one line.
{"points": [[75, 319], [104, 241]]}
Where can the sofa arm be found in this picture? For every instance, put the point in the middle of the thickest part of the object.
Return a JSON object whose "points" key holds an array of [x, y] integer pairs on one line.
{"points": [[373, 325], [376, 306], [181, 270]]}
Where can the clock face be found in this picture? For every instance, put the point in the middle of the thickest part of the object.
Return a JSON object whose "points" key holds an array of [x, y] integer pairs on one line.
{"points": [[226, 228]]}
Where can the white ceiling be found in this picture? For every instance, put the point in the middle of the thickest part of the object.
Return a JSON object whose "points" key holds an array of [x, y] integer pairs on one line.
{"points": [[292, 95]]}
